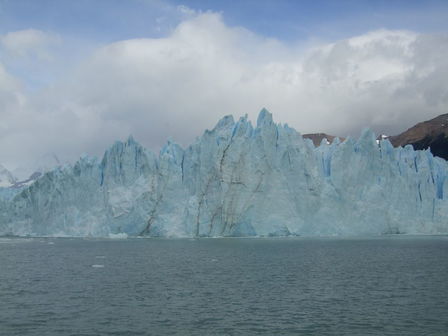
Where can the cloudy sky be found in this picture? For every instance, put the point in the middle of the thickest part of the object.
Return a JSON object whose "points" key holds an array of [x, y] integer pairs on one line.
{"points": [[77, 75]]}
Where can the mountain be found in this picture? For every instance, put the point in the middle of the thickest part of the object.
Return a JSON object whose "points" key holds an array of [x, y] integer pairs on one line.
{"points": [[11, 186], [432, 134], [317, 138], [239, 180], [27, 182], [7, 179], [45, 163]]}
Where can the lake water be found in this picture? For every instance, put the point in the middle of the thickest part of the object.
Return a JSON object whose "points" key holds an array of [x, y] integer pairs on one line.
{"points": [[298, 286]]}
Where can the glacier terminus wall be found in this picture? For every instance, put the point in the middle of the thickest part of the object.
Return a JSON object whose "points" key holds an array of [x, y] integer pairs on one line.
{"points": [[238, 180]]}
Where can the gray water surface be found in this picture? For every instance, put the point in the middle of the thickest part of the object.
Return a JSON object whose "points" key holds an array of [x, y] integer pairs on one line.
{"points": [[333, 286]]}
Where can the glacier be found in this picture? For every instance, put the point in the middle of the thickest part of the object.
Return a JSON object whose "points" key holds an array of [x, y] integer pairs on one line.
{"points": [[238, 180]]}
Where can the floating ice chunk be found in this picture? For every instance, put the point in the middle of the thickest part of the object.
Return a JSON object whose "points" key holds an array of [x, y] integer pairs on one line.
{"points": [[121, 235]]}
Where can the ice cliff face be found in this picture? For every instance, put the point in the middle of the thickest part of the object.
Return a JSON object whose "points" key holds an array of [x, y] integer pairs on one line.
{"points": [[239, 180]]}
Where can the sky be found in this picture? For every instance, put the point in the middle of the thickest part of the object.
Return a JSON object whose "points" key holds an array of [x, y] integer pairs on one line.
{"points": [[75, 76]]}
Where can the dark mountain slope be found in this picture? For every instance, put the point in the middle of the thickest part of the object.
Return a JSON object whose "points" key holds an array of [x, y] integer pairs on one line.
{"points": [[431, 134]]}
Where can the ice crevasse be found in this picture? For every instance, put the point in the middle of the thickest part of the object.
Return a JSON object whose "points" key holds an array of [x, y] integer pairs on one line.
{"points": [[238, 180]]}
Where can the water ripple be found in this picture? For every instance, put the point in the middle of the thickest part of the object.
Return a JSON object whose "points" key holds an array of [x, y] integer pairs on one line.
{"points": [[224, 287]]}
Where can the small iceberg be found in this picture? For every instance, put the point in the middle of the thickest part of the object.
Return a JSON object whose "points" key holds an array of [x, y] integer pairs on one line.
{"points": [[121, 235]]}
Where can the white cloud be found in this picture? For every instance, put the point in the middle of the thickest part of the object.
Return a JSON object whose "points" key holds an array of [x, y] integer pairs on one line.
{"points": [[28, 42], [178, 85], [10, 91], [186, 11]]}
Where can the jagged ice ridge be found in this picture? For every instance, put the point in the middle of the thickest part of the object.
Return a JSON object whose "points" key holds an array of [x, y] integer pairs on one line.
{"points": [[237, 180]]}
